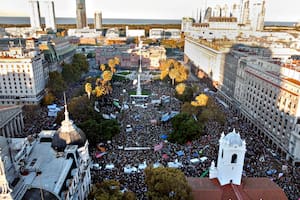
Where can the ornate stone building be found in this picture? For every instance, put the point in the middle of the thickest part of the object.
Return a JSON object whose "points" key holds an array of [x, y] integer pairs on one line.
{"points": [[53, 165], [11, 121]]}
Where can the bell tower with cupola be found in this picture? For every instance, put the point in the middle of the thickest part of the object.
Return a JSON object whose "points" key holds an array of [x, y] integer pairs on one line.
{"points": [[231, 156]]}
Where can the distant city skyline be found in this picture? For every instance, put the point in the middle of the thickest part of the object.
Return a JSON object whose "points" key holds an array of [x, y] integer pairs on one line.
{"points": [[136, 9]]}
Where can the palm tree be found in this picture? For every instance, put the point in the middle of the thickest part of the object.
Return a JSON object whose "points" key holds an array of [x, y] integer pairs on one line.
{"points": [[88, 89]]}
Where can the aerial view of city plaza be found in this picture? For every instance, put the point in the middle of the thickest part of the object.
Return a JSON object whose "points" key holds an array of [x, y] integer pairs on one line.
{"points": [[182, 100]]}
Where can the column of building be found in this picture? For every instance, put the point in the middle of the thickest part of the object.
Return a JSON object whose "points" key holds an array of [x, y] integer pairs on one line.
{"points": [[14, 127]]}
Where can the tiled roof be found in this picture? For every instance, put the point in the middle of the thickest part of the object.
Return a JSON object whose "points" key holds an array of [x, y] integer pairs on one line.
{"points": [[251, 188]]}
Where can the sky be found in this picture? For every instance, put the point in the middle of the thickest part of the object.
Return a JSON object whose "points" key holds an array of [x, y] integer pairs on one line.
{"points": [[276, 10]]}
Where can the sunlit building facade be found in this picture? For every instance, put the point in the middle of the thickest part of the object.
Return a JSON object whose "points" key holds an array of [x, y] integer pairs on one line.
{"points": [[269, 99], [22, 79]]}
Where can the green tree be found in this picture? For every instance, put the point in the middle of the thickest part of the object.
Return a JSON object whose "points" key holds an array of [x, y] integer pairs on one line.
{"points": [[187, 95], [189, 109], [56, 83], [71, 73], [80, 109], [81, 61], [106, 190], [91, 128], [185, 129], [48, 99], [128, 195], [167, 183], [109, 128]]}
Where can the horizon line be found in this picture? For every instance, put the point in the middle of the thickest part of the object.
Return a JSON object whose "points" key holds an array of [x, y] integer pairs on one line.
{"points": [[141, 18]]}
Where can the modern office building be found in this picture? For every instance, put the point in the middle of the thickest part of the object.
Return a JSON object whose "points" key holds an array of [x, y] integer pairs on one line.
{"points": [[35, 15], [50, 165], [50, 15], [22, 79], [98, 20], [81, 19]]}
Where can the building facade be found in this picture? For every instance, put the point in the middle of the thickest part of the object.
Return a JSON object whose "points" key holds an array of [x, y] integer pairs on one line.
{"points": [[209, 59], [22, 79], [268, 94], [81, 19], [129, 56], [51, 165], [11, 121], [186, 23], [231, 157]]}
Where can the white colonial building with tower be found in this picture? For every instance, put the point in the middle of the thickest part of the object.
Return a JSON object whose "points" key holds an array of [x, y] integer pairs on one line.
{"points": [[231, 157]]}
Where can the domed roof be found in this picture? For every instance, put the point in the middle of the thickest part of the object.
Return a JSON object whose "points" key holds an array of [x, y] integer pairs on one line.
{"points": [[36, 193], [233, 138], [68, 134]]}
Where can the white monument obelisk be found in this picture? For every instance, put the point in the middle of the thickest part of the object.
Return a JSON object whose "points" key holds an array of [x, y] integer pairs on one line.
{"points": [[139, 89]]}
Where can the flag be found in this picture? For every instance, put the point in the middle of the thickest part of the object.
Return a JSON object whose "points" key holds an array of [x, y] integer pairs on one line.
{"points": [[100, 154], [158, 147]]}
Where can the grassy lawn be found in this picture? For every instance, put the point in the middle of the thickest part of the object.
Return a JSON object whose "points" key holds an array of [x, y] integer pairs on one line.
{"points": [[144, 92], [124, 73], [119, 78], [155, 72]]}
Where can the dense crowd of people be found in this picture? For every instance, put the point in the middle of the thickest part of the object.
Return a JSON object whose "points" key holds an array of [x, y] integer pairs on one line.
{"points": [[259, 157], [147, 130]]}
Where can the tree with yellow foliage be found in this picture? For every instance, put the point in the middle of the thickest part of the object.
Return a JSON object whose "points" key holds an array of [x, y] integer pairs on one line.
{"points": [[99, 91], [201, 100], [180, 88], [102, 67], [164, 68], [174, 69], [173, 73], [112, 64], [117, 61], [88, 89], [181, 73], [107, 76]]}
